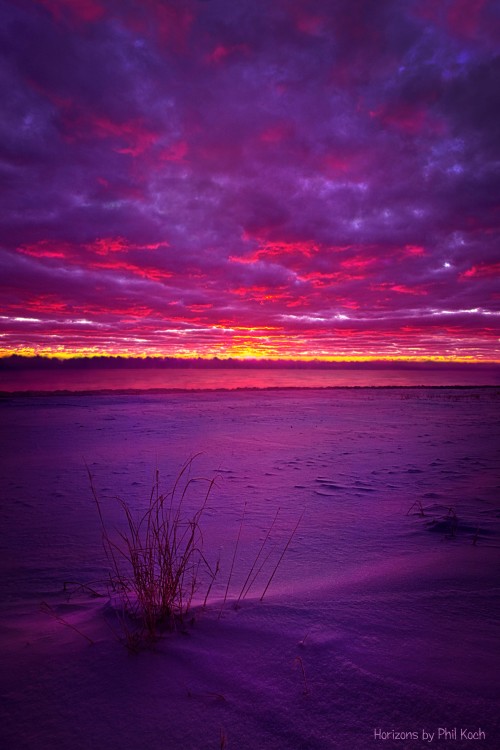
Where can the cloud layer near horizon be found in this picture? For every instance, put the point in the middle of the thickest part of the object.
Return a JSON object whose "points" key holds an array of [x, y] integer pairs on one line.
{"points": [[276, 178]]}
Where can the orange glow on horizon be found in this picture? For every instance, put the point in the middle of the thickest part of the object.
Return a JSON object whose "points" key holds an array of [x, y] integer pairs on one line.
{"points": [[235, 352]]}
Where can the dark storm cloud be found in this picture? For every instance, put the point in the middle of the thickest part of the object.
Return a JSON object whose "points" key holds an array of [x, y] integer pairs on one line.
{"points": [[324, 170]]}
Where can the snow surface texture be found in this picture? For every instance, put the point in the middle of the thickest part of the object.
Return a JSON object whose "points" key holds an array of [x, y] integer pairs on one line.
{"points": [[383, 614]]}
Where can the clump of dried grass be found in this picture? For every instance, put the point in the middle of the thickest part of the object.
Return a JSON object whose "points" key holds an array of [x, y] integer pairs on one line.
{"points": [[157, 564]]}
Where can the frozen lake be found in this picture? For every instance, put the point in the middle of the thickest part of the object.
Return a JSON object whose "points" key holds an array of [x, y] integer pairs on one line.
{"points": [[389, 588]]}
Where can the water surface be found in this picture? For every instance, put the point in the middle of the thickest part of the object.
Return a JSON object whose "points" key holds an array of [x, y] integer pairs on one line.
{"points": [[231, 379]]}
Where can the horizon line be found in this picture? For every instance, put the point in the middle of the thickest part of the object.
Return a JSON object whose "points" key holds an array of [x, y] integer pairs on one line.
{"points": [[56, 358]]}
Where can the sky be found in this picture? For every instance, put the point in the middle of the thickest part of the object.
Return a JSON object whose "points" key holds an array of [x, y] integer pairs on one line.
{"points": [[250, 178]]}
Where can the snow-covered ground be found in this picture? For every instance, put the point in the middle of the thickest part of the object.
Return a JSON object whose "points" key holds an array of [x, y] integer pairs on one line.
{"points": [[380, 624]]}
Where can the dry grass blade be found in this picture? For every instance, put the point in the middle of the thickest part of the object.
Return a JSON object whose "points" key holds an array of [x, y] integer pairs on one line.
{"points": [[233, 560], [247, 586], [282, 555], [419, 508], [298, 660], [47, 609]]}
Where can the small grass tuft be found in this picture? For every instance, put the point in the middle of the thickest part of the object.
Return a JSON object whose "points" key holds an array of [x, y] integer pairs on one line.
{"points": [[157, 564]]}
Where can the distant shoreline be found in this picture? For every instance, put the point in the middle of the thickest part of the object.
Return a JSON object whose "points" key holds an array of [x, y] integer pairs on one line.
{"points": [[238, 389], [15, 362]]}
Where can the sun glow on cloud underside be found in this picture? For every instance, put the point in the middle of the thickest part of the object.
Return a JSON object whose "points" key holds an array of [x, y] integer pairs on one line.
{"points": [[272, 181]]}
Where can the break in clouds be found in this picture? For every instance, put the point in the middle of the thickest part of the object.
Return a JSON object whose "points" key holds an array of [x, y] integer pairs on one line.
{"points": [[278, 178]]}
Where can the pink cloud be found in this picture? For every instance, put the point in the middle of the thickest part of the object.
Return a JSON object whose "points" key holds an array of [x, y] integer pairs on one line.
{"points": [[416, 291], [276, 251], [309, 24], [82, 10], [145, 272], [48, 249], [175, 152], [135, 137], [131, 136], [464, 16], [104, 246], [413, 251], [409, 118], [472, 20], [481, 271], [276, 133], [323, 279], [168, 20], [107, 245], [338, 162], [46, 303], [221, 52], [360, 263]]}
